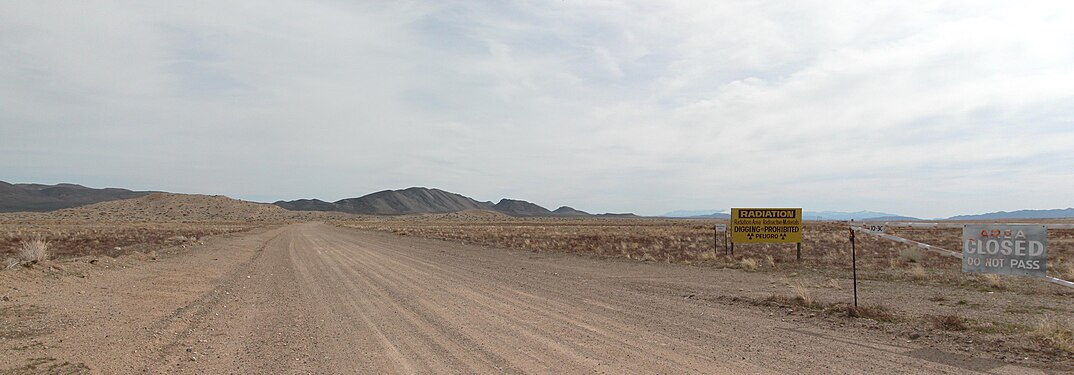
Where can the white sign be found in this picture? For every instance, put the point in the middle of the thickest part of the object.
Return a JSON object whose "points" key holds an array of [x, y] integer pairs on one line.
{"points": [[721, 227], [1005, 249]]}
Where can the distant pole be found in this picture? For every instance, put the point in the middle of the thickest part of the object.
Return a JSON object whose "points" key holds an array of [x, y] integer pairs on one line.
{"points": [[854, 264], [725, 242], [798, 252], [715, 240]]}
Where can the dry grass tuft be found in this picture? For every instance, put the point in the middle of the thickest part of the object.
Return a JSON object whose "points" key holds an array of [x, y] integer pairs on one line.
{"points": [[770, 261], [834, 284], [706, 255], [802, 295], [917, 272], [994, 281], [33, 251], [749, 264], [1056, 333], [947, 322]]}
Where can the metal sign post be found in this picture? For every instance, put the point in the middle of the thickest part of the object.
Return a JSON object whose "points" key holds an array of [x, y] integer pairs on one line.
{"points": [[955, 254], [854, 265], [716, 229], [725, 243], [715, 238]]}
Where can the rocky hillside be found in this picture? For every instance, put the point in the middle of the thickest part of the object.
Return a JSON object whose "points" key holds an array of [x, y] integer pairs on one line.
{"points": [[41, 198], [419, 200], [168, 207], [569, 211], [410, 201], [515, 207]]}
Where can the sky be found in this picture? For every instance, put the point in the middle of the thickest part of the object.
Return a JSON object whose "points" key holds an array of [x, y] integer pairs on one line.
{"points": [[920, 108]]}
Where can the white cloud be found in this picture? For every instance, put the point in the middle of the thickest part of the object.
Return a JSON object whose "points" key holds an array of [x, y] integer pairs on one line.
{"points": [[912, 108]]}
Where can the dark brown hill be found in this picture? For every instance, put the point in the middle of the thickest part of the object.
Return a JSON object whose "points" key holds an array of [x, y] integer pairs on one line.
{"points": [[415, 200], [515, 207], [307, 205], [569, 211], [419, 200], [41, 198], [168, 207]]}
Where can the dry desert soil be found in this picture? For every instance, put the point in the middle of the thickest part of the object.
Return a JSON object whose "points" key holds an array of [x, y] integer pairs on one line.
{"points": [[320, 299]]}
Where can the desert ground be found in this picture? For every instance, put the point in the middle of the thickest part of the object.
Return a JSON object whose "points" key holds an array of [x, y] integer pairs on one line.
{"points": [[177, 290]]}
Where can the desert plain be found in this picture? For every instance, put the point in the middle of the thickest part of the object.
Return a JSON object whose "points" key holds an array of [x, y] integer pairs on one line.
{"points": [[171, 283]]}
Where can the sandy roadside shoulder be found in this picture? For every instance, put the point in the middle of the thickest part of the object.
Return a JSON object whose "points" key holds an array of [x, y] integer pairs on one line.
{"points": [[110, 315]]}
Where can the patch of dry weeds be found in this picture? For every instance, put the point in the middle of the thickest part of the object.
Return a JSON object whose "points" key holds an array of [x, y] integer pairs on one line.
{"points": [[1056, 333]]}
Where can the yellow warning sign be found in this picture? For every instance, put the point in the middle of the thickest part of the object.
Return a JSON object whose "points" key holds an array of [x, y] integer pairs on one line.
{"points": [[766, 225]]}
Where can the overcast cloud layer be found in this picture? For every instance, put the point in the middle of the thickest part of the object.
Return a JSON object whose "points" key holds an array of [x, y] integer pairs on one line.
{"points": [[928, 109]]}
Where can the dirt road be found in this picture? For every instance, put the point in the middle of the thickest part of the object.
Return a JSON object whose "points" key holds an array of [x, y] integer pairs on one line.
{"points": [[312, 298]]}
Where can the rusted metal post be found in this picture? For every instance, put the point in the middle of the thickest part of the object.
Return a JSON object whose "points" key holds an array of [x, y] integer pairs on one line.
{"points": [[854, 264]]}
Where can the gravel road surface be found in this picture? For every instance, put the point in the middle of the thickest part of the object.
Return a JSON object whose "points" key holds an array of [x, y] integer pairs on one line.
{"points": [[313, 298]]}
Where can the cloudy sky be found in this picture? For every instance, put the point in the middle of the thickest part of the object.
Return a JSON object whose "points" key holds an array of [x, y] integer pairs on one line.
{"points": [[922, 108]]}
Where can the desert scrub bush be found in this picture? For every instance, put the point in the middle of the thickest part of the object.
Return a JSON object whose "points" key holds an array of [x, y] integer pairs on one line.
{"points": [[994, 281], [1056, 333], [917, 272], [1068, 272], [749, 264], [910, 256], [35, 250], [706, 255], [802, 295], [834, 284], [647, 257], [947, 322]]}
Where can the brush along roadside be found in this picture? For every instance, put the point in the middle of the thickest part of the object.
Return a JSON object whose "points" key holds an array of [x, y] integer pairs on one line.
{"points": [[825, 246], [76, 239], [1051, 336]]}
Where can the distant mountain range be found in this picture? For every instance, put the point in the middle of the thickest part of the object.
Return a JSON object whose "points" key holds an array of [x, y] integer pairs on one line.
{"points": [[714, 215], [41, 198], [859, 216], [1062, 213], [694, 213], [807, 215], [420, 200]]}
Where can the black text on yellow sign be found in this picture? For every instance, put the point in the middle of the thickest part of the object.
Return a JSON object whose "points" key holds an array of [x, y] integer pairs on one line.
{"points": [[766, 225]]}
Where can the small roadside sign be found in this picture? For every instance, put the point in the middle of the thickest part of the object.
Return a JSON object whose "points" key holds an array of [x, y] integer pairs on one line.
{"points": [[874, 228], [766, 225], [1005, 249], [721, 227]]}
